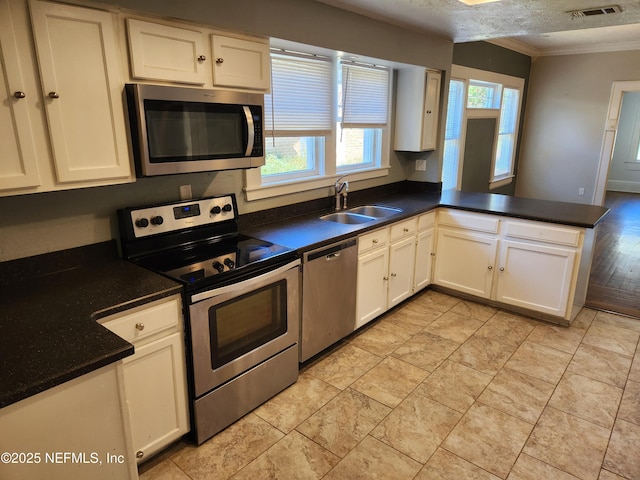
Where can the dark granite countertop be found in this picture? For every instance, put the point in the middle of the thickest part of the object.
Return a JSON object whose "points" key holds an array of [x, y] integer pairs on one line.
{"points": [[303, 230], [50, 305]]}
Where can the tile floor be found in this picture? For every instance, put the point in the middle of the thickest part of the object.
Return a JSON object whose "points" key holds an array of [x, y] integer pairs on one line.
{"points": [[441, 388]]}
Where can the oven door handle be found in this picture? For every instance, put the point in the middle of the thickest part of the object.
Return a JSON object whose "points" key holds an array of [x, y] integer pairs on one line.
{"points": [[244, 284]]}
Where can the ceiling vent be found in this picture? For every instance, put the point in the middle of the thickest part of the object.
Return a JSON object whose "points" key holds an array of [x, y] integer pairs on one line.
{"points": [[595, 11]]}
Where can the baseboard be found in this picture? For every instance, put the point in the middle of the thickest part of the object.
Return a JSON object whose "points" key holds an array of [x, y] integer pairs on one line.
{"points": [[623, 186]]}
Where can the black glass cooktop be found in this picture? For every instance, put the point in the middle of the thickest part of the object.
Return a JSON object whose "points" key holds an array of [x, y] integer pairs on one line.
{"points": [[213, 262]]}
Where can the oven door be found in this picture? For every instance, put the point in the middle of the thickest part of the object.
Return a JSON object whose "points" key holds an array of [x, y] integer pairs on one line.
{"points": [[238, 326]]}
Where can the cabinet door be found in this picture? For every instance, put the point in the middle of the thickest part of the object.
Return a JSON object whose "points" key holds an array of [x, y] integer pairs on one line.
{"points": [[241, 63], [161, 52], [424, 256], [82, 84], [465, 261], [535, 277], [372, 285], [402, 257], [430, 111], [154, 383], [18, 168]]}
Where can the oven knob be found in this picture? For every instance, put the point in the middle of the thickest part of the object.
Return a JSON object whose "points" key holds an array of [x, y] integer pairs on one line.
{"points": [[215, 210], [229, 263], [227, 208], [142, 223], [218, 266], [158, 220]]}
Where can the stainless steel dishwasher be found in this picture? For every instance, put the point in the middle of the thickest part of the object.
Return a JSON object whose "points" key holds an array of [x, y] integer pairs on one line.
{"points": [[328, 296]]}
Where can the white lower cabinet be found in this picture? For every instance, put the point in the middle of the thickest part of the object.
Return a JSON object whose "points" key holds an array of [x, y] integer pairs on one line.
{"points": [[536, 276], [402, 257], [373, 272], [82, 417], [391, 264], [154, 377], [527, 264], [425, 253], [465, 261]]}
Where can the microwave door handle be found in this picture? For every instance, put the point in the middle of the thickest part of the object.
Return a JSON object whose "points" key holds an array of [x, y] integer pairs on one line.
{"points": [[250, 131]]}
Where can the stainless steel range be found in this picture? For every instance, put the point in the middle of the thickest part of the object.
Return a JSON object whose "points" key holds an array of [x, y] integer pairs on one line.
{"points": [[243, 297]]}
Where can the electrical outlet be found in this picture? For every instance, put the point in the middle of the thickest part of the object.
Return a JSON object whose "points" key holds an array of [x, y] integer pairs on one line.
{"points": [[421, 165], [581, 191], [185, 192]]}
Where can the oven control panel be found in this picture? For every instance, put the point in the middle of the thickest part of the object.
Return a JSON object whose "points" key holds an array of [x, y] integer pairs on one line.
{"points": [[172, 217]]}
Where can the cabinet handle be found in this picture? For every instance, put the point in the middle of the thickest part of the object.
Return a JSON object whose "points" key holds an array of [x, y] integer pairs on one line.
{"points": [[219, 60], [406, 230], [19, 94], [202, 58], [428, 112], [502, 269], [433, 254], [374, 241], [490, 267], [394, 275], [54, 95], [140, 326], [139, 454], [385, 278]]}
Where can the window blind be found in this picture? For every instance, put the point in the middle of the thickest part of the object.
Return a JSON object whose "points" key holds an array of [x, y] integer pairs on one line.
{"points": [[300, 98], [365, 96]]}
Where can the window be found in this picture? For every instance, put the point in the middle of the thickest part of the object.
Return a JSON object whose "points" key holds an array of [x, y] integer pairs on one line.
{"points": [[453, 134], [500, 97], [325, 117], [483, 94], [505, 151], [297, 117], [362, 115]]}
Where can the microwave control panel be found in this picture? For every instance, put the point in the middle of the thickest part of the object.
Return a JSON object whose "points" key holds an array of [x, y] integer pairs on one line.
{"points": [[177, 216]]}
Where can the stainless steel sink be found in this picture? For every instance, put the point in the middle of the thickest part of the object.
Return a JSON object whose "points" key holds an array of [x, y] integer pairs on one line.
{"points": [[376, 211], [350, 218]]}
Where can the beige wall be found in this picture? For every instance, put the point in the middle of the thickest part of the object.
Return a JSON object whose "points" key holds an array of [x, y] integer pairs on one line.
{"points": [[564, 123], [40, 223]]}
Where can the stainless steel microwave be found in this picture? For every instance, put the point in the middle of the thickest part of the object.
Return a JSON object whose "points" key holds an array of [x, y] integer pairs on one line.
{"points": [[184, 130]]}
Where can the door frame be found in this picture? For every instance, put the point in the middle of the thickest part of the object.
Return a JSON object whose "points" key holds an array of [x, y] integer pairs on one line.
{"points": [[611, 129]]}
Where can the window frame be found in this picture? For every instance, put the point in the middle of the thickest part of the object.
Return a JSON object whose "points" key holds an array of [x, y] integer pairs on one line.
{"points": [[256, 189], [471, 75]]}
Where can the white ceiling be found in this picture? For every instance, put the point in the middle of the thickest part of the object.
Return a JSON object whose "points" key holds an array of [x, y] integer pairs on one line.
{"points": [[534, 27]]}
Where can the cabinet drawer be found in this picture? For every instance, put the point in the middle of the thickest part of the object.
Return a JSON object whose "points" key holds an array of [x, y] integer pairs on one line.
{"points": [[146, 320], [404, 229], [544, 233], [426, 220], [469, 220], [371, 240]]}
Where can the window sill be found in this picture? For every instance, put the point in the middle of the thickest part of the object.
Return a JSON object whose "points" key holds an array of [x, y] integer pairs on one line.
{"points": [[632, 165], [501, 182], [259, 192]]}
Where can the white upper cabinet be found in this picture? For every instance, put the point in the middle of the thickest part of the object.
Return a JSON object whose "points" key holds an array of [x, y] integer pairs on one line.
{"points": [[417, 109], [19, 167], [181, 53], [241, 63], [82, 84], [161, 52]]}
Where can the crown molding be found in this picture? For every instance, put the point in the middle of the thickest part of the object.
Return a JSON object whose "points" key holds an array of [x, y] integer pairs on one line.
{"points": [[526, 49]]}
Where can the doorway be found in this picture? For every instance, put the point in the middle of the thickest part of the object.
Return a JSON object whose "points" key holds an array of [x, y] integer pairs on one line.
{"points": [[614, 284]]}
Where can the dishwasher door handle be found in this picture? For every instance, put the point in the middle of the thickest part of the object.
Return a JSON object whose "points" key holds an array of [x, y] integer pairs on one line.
{"points": [[332, 256]]}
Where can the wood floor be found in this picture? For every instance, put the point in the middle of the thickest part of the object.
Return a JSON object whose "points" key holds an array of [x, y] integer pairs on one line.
{"points": [[614, 284]]}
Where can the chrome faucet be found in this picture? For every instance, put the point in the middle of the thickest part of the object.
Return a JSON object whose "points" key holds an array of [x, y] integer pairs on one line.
{"points": [[341, 189]]}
